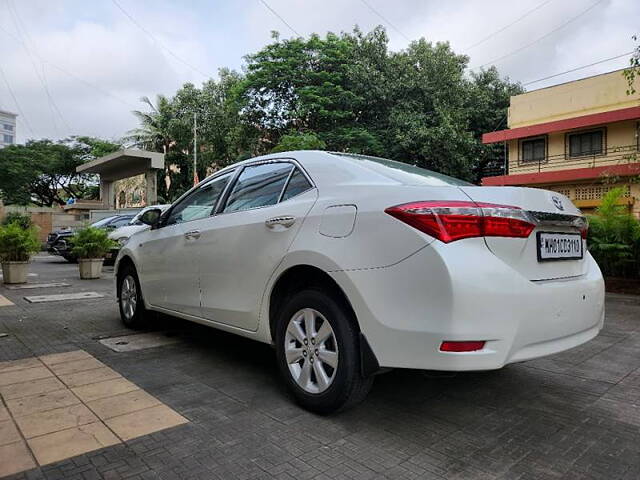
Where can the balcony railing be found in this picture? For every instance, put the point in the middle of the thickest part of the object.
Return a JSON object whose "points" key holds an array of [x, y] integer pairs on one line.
{"points": [[612, 156]]}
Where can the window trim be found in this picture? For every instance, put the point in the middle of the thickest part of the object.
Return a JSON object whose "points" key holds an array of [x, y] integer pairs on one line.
{"points": [[521, 141], [220, 209], [292, 161], [167, 213], [567, 143]]}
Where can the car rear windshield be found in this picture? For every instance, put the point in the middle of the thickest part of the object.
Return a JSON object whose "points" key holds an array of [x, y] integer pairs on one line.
{"points": [[404, 172]]}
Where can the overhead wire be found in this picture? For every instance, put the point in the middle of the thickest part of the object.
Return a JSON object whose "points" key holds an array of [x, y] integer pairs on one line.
{"points": [[500, 30], [158, 42], [546, 35], [280, 17]]}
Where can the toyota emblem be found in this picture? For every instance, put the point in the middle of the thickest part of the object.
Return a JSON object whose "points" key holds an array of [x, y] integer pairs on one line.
{"points": [[557, 202]]}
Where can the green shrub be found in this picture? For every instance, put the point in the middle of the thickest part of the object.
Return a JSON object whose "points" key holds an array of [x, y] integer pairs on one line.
{"points": [[17, 244], [21, 219], [91, 242], [614, 237]]}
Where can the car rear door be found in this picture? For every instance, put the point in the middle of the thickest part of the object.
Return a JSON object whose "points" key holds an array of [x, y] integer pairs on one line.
{"points": [[249, 237]]}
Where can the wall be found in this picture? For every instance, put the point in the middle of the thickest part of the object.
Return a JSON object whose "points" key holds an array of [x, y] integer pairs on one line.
{"points": [[621, 143], [600, 93], [46, 219]]}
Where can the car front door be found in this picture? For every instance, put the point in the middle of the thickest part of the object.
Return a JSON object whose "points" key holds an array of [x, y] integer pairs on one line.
{"points": [[248, 238], [170, 253]]}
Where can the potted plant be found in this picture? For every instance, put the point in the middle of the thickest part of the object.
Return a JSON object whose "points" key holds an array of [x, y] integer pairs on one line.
{"points": [[17, 244], [90, 245]]}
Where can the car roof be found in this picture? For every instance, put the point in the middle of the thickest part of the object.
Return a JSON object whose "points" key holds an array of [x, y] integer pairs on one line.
{"points": [[332, 168]]}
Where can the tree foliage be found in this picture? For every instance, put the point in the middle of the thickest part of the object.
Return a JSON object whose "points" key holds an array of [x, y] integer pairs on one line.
{"points": [[614, 237], [43, 172], [342, 92]]}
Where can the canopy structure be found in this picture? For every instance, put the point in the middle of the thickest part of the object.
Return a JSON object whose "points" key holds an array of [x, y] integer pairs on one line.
{"points": [[124, 164]]}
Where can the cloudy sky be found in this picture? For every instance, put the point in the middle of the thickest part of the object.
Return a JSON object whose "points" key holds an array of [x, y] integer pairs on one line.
{"points": [[78, 67]]}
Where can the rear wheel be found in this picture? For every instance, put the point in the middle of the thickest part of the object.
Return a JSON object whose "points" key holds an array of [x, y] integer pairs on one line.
{"points": [[132, 311], [318, 352]]}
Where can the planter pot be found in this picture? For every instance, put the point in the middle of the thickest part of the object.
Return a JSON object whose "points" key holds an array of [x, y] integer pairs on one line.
{"points": [[90, 268], [15, 272]]}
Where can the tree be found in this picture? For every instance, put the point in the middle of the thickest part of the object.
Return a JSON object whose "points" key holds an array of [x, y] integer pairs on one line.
{"points": [[633, 71], [44, 172], [343, 92], [299, 141]]}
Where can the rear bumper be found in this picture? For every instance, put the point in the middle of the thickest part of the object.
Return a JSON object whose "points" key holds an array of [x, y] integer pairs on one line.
{"points": [[413, 306]]}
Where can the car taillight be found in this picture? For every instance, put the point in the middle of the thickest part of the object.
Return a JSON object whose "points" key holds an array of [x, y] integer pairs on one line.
{"points": [[449, 221]]}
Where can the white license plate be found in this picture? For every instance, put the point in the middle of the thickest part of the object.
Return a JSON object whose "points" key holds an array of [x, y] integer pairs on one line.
{"points": [[559, 246]]}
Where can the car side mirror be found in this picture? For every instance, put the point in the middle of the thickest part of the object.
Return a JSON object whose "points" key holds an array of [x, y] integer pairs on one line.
{"points": [[151, 217]]}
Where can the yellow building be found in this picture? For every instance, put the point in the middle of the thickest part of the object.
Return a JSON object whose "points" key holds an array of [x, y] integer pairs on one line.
{"points": [[579, 138]]}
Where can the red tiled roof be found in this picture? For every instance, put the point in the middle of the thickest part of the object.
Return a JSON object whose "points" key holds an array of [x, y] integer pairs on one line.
{"points": [[593, 119]]}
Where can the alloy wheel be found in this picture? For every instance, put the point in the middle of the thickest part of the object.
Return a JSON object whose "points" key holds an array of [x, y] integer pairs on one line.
{"points": [[128, 297], [311, 350]]}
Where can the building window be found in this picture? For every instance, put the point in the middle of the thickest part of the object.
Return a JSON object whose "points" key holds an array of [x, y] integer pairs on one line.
{"points": [[8, 127], [533, 149], [8, 138], [586, 143]]}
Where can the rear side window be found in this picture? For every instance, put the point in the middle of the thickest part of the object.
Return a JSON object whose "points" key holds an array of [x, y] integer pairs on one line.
{"points": [[258, 186], [298, 183]]}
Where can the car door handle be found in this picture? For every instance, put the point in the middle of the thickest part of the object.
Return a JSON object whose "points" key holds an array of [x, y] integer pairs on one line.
{"points": [[285, 221], [192, 234]]}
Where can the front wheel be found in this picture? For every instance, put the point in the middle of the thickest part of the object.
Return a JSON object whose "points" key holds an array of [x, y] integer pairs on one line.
{"points": [[130, 301], [317, 346]]}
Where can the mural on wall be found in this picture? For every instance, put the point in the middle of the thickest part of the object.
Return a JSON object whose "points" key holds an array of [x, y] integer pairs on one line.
{"points": [[130, 192]]}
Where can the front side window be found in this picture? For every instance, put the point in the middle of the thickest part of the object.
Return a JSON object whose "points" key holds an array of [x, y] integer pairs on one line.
{"points": [[298, 183], [258, 186], [8, 139], [534, 150], [120, 222], [200, 203], [8, 127], [586, 143]]}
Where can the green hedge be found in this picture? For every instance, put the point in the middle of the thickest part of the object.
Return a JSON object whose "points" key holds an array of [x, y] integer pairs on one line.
{"points": [[614, 237]]}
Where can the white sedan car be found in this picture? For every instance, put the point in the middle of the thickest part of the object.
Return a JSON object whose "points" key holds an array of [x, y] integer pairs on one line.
{"points": [[349, 264], [122, 234]]}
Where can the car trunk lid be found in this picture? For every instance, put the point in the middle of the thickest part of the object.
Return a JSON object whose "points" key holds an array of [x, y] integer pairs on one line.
{"points": [[543, 254]]}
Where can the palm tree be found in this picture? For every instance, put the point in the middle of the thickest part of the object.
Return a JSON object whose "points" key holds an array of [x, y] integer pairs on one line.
{"points": [[154, 132]]}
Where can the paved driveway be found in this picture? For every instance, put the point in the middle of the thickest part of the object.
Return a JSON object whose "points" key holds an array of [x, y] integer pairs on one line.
{"points": [[573, 415]]}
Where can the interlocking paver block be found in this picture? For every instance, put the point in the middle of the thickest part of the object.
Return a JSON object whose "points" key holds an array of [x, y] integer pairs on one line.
{"points": [[19, 390], [71, 442], [104, 389], [14, 458], [8, 433], [5, 302], [19, 364], [39, 403], [143, 422], [41, 423], [25, 375], [4, 414], [88, 376], [76, 366], [121, 404], [55, 358]]}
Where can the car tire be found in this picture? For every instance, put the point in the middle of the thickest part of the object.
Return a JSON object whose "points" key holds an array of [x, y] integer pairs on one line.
{"points": [[328, 389], [130, 303]]}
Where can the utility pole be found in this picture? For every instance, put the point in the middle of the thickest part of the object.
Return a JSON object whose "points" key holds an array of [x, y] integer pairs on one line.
{"points": [[195, 149]]}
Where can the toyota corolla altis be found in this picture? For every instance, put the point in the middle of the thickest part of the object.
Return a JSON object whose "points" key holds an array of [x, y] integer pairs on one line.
{"points": [[350, 264]]}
